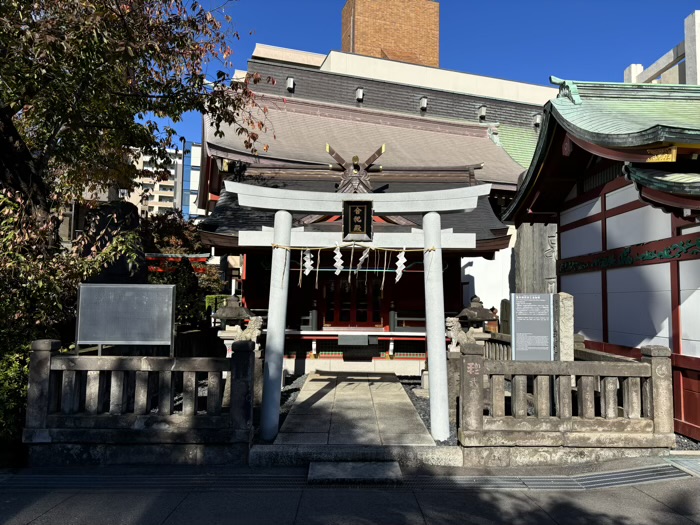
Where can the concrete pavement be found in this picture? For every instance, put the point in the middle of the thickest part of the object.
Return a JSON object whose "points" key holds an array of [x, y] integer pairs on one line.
{"points": [[211, 496], [341, 408]]}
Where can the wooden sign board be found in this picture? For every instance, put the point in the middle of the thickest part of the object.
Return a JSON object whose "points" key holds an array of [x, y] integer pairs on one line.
{"points": [[357, 221]]}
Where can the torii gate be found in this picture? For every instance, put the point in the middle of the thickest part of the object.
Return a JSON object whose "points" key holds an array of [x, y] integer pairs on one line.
{"points": [[431, 238]]}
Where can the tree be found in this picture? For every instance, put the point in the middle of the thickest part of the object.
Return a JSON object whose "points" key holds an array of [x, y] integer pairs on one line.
{"points": [[170, 233], [81, 80], [82, 83]]}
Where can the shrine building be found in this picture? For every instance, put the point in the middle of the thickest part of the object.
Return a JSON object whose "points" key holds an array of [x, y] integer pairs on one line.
{"points": [[356, 124]]}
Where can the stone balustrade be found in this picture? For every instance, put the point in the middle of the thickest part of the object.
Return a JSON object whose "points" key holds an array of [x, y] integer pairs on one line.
{"points": [[540, 412], [498, 347], [138, 409]]}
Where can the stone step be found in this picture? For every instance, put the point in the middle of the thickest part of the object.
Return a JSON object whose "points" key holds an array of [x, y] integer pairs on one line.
{"points": [[362, 473], [304, 455]]}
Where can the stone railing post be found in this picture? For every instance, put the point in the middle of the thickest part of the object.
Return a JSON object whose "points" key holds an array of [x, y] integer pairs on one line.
{"points": [[242, 384], [471, 399], [38, 391], [563, 327], [659, 357]]}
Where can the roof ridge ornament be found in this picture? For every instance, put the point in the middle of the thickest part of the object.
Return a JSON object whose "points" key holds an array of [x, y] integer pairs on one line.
{"points": [[355, 177], [567, 89]]}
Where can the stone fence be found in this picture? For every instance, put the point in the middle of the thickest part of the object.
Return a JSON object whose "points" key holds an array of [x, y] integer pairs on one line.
{"points": [[89, 409], [498, 347], [520, 413]]}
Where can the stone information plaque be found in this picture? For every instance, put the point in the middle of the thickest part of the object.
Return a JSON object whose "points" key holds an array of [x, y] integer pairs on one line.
{"points": [[126, 314], [532, 325]]}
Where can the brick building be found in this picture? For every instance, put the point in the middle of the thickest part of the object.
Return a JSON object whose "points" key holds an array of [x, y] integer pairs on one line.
{"points": [[399, 30]]}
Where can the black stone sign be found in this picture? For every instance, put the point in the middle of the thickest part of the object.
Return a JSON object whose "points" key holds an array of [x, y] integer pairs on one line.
{"points": [[532, 324], [357, 221]]}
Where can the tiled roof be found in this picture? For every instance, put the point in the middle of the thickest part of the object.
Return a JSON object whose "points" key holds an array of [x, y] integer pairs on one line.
{"points": [[626, 115], [299, 131], [519, 143], [617, 116], [678, 180]]}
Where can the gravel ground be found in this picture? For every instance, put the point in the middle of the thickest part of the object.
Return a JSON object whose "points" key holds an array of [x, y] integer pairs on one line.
{"points": [[684, 443], [290, 391], [422, 405]]}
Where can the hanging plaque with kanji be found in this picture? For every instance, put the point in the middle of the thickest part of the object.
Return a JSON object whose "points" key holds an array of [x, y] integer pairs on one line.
{"points": [[357, 221]]}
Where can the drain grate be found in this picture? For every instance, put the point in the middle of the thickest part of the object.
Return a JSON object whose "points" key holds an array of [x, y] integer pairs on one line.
{"points": [[630, 477], [551, 483], [460, 483]]}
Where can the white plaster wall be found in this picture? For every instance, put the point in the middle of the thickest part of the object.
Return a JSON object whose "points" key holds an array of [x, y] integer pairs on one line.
{"points": [[622, 196], [580, 212], [641, 225], [690, 307], [580, 241], [639, 305], [588, 303], [487, 279], [694, 229]]}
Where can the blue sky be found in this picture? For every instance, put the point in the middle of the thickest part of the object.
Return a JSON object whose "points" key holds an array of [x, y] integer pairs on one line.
{"points": [[522, 40]]}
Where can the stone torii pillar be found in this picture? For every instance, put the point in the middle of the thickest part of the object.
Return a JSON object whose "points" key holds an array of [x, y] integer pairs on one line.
{"points": [[435, 327], [432, 239], [276, 324]]}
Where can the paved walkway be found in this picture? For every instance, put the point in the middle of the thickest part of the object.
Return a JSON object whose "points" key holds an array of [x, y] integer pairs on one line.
{"points": [[241, 496], [340, 408]]}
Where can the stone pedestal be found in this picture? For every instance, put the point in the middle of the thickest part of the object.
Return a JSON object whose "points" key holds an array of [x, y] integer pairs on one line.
{"points": [[563, 327], [454, 366]]}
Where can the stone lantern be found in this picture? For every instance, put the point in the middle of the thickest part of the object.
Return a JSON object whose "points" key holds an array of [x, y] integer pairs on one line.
{"points": [[232, 313], [476, 316]]}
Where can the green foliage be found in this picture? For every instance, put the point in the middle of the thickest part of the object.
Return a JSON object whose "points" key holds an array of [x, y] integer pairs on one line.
{"points": [[213, 302], [81, 85], [169, 232], [82, 81], [182, 275], [38, 292], [39, 280], [13, 393]]}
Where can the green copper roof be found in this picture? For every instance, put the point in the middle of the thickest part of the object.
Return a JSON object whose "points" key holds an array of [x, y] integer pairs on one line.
{"points": [[518, 142], [615, 115], [627, 115], [675, 182]]}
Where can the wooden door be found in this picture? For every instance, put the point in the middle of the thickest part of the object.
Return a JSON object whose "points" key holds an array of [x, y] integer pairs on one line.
{"points": [[352, 304]]}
